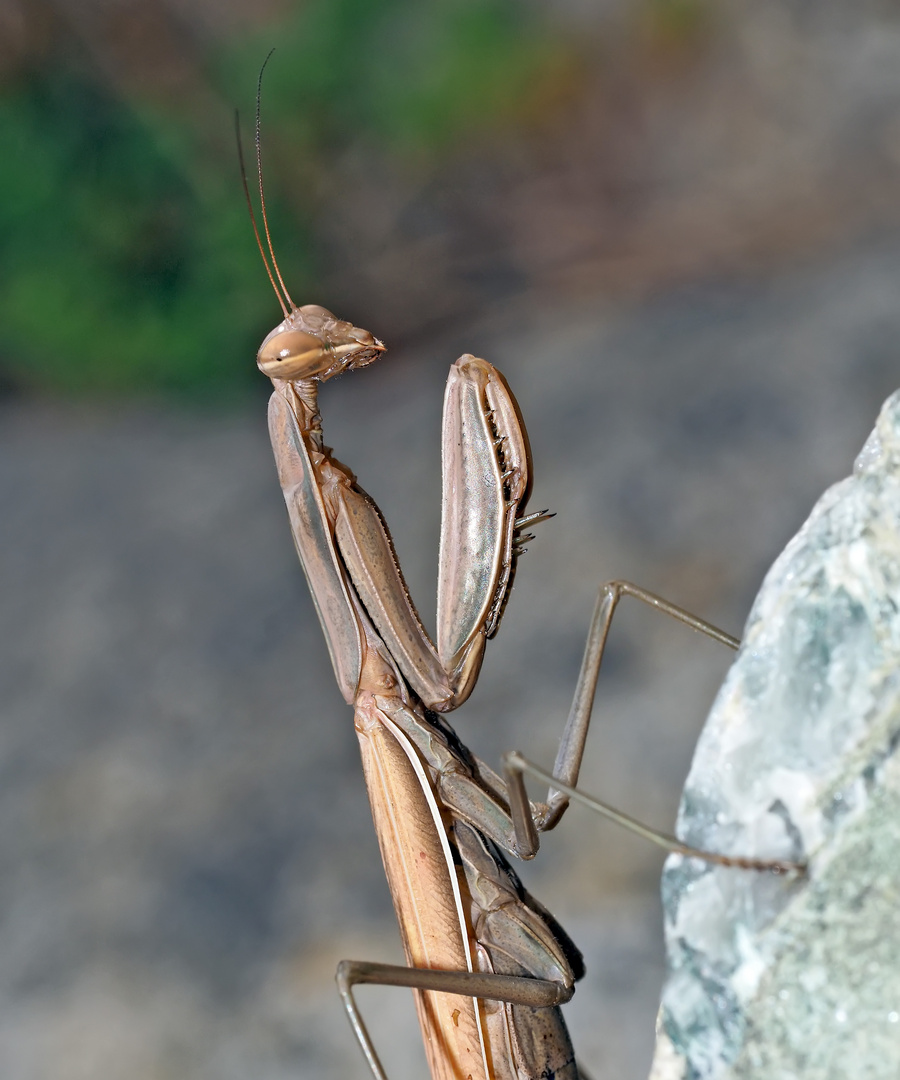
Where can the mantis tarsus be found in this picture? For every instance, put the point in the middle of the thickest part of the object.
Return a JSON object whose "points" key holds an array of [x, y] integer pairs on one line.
{"points": [[490, 965]]}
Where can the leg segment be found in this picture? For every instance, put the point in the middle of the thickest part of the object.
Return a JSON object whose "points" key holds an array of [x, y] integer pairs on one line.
{"points": [[515, 766], [536, 993], [571, 745], [527, 825]]}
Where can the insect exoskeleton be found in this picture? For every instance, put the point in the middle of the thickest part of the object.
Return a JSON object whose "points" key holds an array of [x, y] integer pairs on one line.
{"points": [[312, 343]]}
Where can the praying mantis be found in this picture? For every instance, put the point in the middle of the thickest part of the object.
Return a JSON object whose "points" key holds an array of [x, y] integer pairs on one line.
{"points": [[489, 965]]}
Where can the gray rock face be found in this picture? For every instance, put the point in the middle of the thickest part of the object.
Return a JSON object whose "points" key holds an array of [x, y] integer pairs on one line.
{"points": [[774, 978]]}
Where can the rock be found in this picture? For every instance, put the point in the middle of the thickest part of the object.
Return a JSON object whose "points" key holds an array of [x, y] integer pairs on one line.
{"points": [[789, 977]]}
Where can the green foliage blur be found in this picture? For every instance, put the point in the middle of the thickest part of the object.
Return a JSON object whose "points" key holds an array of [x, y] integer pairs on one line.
{"points": [[126, 256]]}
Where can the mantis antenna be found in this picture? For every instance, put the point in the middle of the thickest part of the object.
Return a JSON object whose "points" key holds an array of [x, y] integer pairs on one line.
{"points": [[262, 251], [262, 194], [262, 198]]}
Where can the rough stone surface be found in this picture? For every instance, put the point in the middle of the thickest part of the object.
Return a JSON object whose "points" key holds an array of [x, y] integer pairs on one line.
{"points": [[782, 978]]}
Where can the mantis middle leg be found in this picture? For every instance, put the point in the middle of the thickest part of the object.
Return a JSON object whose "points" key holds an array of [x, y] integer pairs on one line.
{"points": [[529, 819]]}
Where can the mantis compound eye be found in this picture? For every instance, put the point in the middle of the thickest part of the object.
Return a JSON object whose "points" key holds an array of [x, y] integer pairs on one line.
{"points": [[294, 354]]}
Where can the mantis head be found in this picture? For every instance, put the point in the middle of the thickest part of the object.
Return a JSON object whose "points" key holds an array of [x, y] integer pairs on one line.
{"points": [[312, 344]]}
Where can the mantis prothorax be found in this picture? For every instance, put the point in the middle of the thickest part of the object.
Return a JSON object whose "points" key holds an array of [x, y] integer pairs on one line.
{"points": [[489, 964]]}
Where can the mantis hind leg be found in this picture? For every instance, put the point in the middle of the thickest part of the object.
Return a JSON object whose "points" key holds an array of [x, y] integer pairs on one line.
{"points": [[540, 995]]}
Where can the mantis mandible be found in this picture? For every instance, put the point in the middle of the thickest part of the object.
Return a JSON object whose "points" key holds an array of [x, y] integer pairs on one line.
{"points": [[489, 964]]}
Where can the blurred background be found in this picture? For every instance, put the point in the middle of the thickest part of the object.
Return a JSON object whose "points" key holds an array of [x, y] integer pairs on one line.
{"points": [[673, 224]]}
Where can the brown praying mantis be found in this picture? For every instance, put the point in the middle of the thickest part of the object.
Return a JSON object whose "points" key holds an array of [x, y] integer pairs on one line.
{"points": [[489, 965]]}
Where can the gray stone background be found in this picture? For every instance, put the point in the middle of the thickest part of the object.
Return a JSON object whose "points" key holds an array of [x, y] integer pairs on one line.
{"points": [[185, 844]]}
